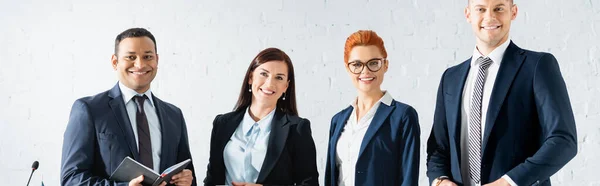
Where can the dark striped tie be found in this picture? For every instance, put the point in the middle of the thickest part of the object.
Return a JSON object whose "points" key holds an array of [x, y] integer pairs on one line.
{"points": [[475, 121], [143, 130]]}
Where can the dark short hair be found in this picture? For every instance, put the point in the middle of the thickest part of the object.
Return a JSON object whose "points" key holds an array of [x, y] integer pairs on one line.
{"points": [[288, 105], [133, 32]]}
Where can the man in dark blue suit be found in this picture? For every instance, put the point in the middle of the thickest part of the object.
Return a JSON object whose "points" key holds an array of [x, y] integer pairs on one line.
{"points": [[127, 120], [502, 117]]}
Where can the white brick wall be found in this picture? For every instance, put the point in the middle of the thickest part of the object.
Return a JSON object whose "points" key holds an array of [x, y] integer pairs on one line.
{"points": [[53, 52]]}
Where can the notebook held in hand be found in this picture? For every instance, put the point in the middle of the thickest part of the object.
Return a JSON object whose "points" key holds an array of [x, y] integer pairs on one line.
{"points": [[130, 169]]}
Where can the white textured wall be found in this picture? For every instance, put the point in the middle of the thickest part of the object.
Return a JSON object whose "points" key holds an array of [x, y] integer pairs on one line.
{"points": [[53, 52]]}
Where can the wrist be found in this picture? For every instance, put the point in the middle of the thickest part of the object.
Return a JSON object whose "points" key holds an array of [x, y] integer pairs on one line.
{"points": [[504, 182], [437, 181]]}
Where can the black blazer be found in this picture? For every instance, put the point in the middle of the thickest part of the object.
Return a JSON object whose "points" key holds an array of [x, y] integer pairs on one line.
{"points": [[291, 154]]}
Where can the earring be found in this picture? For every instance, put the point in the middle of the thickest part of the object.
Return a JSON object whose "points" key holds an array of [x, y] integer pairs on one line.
{"points": [[250, 88], [283, 95]]}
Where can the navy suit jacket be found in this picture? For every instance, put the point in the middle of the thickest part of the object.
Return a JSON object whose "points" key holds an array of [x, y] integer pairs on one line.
{"points": [[389, 152], [99, 136], [530, 131], [291, 157]]}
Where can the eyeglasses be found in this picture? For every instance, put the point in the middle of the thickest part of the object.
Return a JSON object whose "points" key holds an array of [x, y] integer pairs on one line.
{"points": [[373, 65]]}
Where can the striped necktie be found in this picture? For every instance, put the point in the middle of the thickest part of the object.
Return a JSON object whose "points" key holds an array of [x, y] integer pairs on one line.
{"points": [[143, 131], [475, 121]]}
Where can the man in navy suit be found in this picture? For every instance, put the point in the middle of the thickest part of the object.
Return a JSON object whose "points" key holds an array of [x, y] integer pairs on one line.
{"points": [[502, 117], [127, 120]]}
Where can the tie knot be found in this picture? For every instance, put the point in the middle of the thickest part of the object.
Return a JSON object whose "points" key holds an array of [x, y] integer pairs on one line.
{"points": [[140, 101], [253, 130], [484, 62]]}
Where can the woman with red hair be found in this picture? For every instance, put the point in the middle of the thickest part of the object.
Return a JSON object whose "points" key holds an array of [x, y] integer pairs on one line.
{"points": [[375, 140]]}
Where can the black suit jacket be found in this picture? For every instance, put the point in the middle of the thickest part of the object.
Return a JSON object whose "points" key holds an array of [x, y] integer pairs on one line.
{"points": [[291, 154], [99, 136]]}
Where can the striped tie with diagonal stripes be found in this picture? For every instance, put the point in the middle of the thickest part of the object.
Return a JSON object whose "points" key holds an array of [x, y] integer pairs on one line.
{"points": [[144, 142], [475, 121]]}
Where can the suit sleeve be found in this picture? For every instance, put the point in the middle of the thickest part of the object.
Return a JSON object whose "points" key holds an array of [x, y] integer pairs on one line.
{"points": [[557, 124], [438, 149], [208, 180], [411, 133], [78, 151], [184, 149], [305, 155]]}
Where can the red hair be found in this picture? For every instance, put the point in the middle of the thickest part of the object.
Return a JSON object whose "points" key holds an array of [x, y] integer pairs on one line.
{"points": [[363, 38]]}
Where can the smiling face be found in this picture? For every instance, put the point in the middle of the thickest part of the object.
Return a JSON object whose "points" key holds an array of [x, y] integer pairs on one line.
{"points": [[269, 81], [490, 20], [136, 63], [365, 80]]}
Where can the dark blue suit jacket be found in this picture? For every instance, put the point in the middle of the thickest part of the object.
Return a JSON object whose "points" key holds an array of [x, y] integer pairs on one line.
{"points": [[99, 136], [389, 153], [530, 131]]}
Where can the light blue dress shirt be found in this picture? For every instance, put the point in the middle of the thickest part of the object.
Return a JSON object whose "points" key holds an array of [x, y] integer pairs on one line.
{"points": [[153, 123], [235, 149]]}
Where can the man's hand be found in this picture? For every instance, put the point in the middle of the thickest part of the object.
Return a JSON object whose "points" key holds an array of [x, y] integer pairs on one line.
{"points": [[244, 184], [444, 182], [184, 178], [138, 181], [498, 182]]}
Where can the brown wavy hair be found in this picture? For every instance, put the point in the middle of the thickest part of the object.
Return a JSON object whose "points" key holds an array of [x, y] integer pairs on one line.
{"points": [[288, 105]]}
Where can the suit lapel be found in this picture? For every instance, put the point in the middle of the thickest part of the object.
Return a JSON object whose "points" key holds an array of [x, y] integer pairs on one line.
{"points": [[228, 128], [277, 140], [339, 125], [225, 129], [455, 87], [337, 131], [118, 108], [511, 62], [456, 91], [165, 130], [380, 116]]}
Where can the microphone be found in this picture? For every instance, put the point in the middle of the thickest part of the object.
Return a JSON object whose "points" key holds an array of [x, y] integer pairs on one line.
{"points": [[34, 167]]}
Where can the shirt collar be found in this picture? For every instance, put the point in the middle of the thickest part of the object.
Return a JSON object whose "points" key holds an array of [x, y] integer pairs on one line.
{"points": [[386, 99], [264, 124], [128, 93], [496, 55]]}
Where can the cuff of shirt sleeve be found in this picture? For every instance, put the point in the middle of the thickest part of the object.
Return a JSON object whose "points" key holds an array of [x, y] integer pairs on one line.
{"points": [[510, 181]]}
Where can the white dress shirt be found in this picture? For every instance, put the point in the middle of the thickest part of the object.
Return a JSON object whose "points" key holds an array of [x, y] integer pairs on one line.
{"points": [[153, 123], [233, 154], [496, 56], [348, 145]]}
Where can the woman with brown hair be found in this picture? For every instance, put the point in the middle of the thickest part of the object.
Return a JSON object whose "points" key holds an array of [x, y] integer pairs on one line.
{"points": [[263, 141], [375, 140]]}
